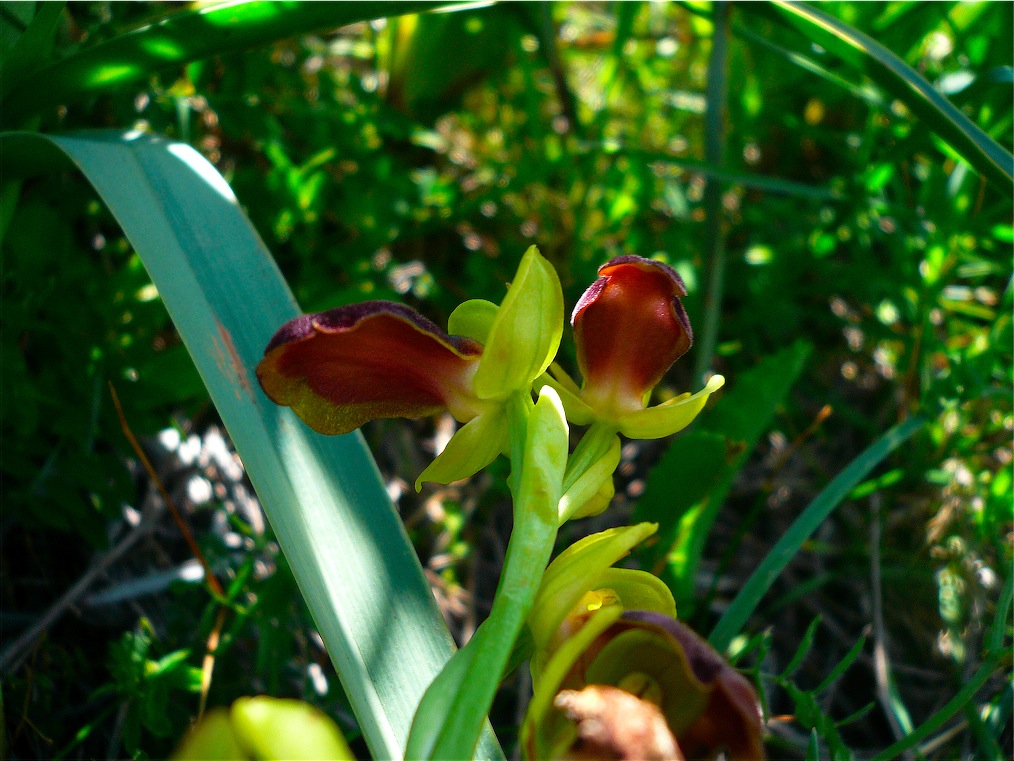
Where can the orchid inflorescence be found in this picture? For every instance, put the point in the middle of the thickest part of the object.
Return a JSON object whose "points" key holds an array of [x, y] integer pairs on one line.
{"points": [[615, 675]]}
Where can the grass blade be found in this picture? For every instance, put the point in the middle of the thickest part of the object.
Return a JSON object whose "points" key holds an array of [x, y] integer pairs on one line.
{"points": [[903, 82], [32, 47], [739, 612], [323, 495], [936, 721], [187, 35]]}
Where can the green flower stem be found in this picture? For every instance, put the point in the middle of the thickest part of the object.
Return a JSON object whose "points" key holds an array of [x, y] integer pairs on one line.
{"points": [[448, 727]]}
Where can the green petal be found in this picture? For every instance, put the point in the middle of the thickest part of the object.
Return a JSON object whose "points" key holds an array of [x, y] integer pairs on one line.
{"points": [[211, 739], [279, 729], [474, 446], [473, 319], [639, 590], [589, 485], [526, 332], [668, 418], [577, 570]]}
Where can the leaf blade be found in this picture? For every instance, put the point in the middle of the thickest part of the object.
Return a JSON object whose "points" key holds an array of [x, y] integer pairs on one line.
{"points": [[323, 495], [890, 72]]}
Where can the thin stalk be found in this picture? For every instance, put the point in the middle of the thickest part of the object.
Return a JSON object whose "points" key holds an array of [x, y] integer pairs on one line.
{"points": [[887, 690], [714, 154]]}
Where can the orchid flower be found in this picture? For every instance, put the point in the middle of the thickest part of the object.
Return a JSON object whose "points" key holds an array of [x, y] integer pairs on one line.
{"points": [[607, 634], [616, 676], [341, 368], [630, 327]]}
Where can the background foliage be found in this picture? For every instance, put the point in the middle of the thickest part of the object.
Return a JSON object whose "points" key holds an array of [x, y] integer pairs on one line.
{"points": [[867, 280]]}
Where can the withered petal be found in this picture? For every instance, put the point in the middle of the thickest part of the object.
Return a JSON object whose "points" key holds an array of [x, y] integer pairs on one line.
{"points": [[614, 725]]}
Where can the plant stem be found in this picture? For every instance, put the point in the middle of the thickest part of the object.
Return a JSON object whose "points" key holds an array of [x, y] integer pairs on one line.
{"points": [[714, 155], [451, 714]]}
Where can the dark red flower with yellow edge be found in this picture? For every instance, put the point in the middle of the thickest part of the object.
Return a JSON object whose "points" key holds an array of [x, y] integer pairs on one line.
{"points": [[377, 359], [630, 327]]}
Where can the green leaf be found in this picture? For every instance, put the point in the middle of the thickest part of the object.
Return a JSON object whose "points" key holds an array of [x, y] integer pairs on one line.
{"points": [[810, 715], [31, 49], [188, 35], [803, 649], [749, 597], [688, 486], [843, 665], [323, 495], [891, 73]]}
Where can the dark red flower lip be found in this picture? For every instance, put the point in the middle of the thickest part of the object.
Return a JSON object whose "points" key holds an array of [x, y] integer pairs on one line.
{"points": [[703, 659], [340, 368]]}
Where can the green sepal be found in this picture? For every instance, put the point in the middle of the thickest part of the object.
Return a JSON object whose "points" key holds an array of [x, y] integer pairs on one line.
{"points": [[473, 319], [667, 418], [525, 333], [639, 590], [474, 446]]}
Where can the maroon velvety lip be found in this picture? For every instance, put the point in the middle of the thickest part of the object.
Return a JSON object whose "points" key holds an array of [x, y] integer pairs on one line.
{"points": [[705, 662], [341, 368], [679, 287]]}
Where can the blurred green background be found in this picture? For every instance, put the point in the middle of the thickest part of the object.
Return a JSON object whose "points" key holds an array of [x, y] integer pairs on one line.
{"points": [[867, 279]]}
